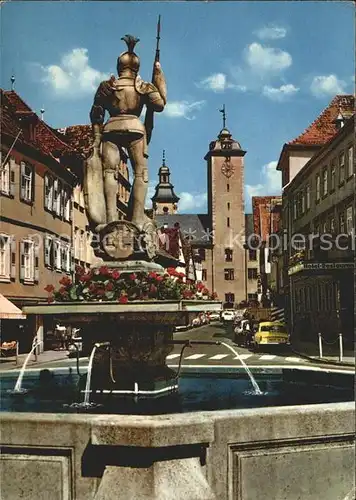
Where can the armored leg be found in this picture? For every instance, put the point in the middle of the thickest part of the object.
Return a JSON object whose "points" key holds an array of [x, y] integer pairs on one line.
{"points": [[138, 161], [111, 158]]}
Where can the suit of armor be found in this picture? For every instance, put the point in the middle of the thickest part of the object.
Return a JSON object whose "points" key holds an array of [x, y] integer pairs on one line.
{"points": [[124, 98]]}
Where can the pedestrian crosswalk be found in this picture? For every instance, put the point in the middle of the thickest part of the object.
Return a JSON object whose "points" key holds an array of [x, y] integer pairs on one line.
{"points": [[248, 356]]}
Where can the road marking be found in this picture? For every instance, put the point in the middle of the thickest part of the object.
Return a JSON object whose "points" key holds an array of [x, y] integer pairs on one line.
{"points": [[244, 356], [172, 356], [293, 360], [195, 356], [328, 369], [219, 356], [267, 356]]}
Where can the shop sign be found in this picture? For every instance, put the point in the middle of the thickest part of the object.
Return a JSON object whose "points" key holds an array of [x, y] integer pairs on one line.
{"points": [[317, 266]]}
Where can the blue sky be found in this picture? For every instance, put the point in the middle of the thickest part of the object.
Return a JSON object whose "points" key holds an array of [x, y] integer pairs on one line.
{"points": [[275, 65]]}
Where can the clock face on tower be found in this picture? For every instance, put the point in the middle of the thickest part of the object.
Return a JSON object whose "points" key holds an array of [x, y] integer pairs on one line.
{"points": [[227, 169]]}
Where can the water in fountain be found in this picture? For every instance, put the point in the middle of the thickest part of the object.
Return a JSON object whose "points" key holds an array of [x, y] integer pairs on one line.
{"points": [[87, 385], [252, 378], [18, 386]]}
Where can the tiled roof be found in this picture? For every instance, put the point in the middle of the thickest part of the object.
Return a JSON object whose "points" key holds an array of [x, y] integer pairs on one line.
{"points": [[79, 137], [44, 139], [324, 127]]}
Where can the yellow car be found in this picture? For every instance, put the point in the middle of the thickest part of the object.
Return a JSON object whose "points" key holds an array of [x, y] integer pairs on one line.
{"points": [[271, 333]]}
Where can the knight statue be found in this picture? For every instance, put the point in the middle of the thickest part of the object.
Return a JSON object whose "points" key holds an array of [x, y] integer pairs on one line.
{"points": [[123, 98]]}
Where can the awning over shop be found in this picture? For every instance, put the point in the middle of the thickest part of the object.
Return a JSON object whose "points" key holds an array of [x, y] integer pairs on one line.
{"points": [[8, 310]]}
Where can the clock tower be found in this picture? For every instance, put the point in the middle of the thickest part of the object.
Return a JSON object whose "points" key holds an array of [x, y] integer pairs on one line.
{"points": [[225, 167]]}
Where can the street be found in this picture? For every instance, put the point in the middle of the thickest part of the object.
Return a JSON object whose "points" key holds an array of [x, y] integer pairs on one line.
{"points": [[217, 355]]}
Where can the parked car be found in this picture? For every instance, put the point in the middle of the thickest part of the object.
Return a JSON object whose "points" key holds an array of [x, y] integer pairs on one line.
{"points": [[214, 316], [227, 315], [75, 346], [196, 322], [271, 333]]}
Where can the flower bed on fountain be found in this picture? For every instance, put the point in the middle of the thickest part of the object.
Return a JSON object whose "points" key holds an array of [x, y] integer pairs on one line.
{"points": [[106, 284]]}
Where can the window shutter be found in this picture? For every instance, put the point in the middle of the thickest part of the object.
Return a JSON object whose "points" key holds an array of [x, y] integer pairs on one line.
{"points": [[47, 251], [63, 260], [36, 250], [22, 181], [59, 199], [72, 259], [22, 260], [33, 184], [13, 259], [55, 195], [63, 202], [46, 193], [12, 177]]}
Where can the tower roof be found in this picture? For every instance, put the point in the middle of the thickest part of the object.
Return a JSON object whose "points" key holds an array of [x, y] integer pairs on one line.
{"points": [[164, 189]]}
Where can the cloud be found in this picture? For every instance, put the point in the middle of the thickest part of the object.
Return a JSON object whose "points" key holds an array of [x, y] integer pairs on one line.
{"points": [[271, 32], [327, 85], [183, 109], [73, 76], [270, 182], [279, 94], [218, 82], [150, 192], [191, 201], [267, 59]]}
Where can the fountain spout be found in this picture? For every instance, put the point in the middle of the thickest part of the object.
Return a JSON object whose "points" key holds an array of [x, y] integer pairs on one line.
{"points": [[247, 370], [18, 386]]}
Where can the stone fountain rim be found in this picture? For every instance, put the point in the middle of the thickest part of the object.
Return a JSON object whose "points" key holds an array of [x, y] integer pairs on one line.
{"points": [[135, 306]]}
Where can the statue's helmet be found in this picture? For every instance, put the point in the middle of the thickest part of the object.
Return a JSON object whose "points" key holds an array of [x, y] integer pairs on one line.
{"points": [[128, 59]]}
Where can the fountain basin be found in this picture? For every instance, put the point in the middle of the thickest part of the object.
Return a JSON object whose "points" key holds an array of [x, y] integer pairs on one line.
{"points": [[139, 335]]}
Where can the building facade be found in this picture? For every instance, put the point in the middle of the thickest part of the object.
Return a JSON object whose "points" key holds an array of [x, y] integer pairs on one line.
{"points": [[164, 201], [319, 217]]}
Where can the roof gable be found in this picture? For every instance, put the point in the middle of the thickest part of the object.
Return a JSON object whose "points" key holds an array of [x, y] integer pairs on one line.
{"points": [[324, 128]]}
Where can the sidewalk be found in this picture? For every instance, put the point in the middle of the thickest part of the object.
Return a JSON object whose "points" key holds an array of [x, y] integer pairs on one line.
{"points": [[310, 351], [9, 363]]}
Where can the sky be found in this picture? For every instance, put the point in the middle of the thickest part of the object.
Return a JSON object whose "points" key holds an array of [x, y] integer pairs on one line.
{"points": [[275, 66]]}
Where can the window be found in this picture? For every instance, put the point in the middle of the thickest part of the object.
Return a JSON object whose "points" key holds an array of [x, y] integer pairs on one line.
{"points": [[57, 197], [325, 181], [307, 196], [349, 220], [230, 298], [302, 202], [65, 256], [48, 251], [204, 275], [295, 207], [228, 255], [350, 161], [67, 205], [252, 274], [228, 205], [57, 254], [342, 168], [342, 223], [317, 188], [325, 227], [202, 253], [29, 271], [252, 255], [228, 222], [5, 257], [27, 182], [332, 225], [227, 187], [229, 274], [332, 176], [48, 201], [5, 178]]}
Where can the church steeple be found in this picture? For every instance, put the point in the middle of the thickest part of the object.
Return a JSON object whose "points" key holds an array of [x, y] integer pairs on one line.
{"points": [[164, 200]]}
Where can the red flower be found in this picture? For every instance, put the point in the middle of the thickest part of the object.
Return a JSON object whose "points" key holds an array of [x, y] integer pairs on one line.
{"points": [[85, 278], [110, 286], [171, 270], [49, 288], [181, 275], [152, 275], [50, 299], [100, 292], [92, 288], [159, 278], [187, 294], [62, 290], [115, 275], [104, 270], [200, 286], [123, 299], [153, 289], [65, 281], [205, 291], [133, 276]]}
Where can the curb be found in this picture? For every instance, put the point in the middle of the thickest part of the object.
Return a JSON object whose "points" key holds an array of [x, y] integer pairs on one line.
{"points": [[323, 361]]}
